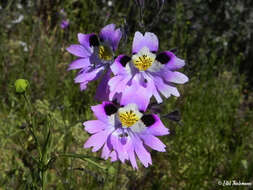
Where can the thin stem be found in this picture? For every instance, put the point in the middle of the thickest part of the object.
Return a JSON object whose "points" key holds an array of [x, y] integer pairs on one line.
{"points": [[84, 158], [42, 172], [141, 23], [156, 17], [32, 128]]}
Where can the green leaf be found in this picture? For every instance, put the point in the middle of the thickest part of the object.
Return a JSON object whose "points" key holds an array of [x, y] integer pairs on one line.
{"points": [[84, 158]]}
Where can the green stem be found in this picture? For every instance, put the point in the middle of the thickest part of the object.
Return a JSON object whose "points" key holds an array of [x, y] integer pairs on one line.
{"points": [[43, 174], [83, 157], [32, 119], [42, 171], [141, 23]]}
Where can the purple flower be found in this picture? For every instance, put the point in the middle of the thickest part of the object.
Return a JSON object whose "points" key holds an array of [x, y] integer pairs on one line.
{"points": [[146, 72], [123, 132], [95, 54], [64, 24], [63, 13]]}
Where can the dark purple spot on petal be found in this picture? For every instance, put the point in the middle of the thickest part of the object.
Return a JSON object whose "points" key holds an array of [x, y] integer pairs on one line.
{"points": [[124, 60], [163, 58], [110, 109], [153, 52], [123, 140], [123, 135], [148, 120], [94, 40]]}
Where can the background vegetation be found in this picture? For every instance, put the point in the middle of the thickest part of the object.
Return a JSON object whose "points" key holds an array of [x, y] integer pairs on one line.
{"points": [[212, 142]]}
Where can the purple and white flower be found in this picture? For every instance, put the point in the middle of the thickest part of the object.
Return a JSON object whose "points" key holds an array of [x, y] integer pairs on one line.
{"points": [[64, 24], [95, 55], [64, 21], [123, 132], [148, 72]]}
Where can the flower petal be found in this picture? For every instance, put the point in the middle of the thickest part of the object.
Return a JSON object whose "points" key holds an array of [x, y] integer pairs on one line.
{"points": [[118, 67], [155, 67], [130, 150], [97, 140], [83, 86], [94, 126], [166, 89], [175, 63], [99, 111], [118, 84], [138, 127], [64, 24], [157, 129], [152, 89], [84, 39], [149, 40], [135, 93], [113, 156], [118, 146], [102, 93], [153, 142], [141, 152], [170, 60], [86, 76], [107, 149], [78, 50], [79, 64], [175, 76], [110, 35]]}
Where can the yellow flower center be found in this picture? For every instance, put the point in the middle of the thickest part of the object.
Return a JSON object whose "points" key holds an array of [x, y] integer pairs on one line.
{"points": [[105, 53], [128, 118], [143, 62]]}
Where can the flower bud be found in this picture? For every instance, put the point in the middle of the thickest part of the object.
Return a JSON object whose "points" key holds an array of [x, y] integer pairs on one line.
{"points": [[21, 85]]}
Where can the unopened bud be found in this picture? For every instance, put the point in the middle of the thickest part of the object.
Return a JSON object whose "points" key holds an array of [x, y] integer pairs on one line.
{"points": [[21, 85]]}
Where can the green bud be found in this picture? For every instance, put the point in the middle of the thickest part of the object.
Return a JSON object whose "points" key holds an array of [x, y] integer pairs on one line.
{"points": [[111, 170], [21, 85]]}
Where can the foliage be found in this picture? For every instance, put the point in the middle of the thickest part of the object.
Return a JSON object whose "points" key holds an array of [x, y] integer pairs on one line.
{"points": [[212, 142]]}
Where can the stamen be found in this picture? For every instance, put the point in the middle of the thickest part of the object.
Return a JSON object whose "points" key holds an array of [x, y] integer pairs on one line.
{"points": [[105, 53], [128, 118], [143, 62]]}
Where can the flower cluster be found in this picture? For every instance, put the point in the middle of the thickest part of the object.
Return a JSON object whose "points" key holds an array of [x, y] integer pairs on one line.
{"points": [[64, 21], [125, 127]]}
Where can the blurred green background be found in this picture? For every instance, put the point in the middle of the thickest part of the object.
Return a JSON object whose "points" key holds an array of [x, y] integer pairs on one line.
{"points": [[213, 141]]}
